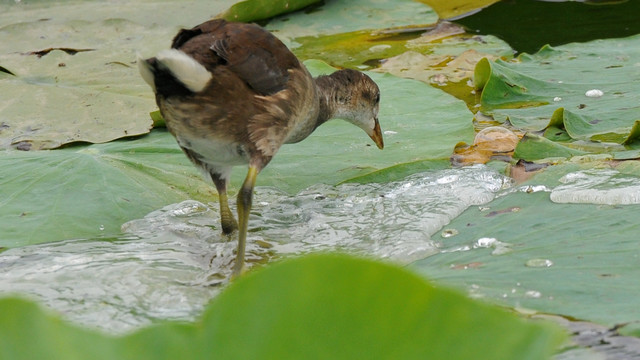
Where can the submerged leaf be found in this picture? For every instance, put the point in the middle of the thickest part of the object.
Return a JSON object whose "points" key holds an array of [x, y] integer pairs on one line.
{"points": [[491, 143], [434, 69]]}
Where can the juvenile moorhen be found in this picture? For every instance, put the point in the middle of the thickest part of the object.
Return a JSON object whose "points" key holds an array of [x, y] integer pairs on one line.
{"points": [[232, 94]]}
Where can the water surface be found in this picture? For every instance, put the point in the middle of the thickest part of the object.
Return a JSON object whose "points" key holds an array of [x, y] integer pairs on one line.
{"points": [[168, 265]]}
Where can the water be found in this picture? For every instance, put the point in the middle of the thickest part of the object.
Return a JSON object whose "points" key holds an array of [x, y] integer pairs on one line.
{"points": [[597, 186], [170, 264], [114, 285], [536, 23]]}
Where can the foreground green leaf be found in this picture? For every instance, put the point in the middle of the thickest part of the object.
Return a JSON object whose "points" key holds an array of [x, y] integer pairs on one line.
{"points": [[303, 308]]}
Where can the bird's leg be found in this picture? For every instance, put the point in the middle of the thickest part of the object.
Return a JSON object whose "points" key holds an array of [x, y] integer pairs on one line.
{"points": [[245, 197], [227, 220]]}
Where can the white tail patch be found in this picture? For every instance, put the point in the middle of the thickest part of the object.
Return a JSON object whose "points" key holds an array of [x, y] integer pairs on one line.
{"points": [[185, 68], [145, 71]]}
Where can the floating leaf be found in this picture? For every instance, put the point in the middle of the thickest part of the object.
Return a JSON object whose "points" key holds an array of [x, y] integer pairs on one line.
{"points": [[252, 10], [532, 147], [564, 258], [335, 17], [61, 92], [90, 191], [454, 8], [554, 88]]}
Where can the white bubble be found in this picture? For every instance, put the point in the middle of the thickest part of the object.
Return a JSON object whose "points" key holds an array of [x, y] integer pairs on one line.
{"points": [[594, 93]]}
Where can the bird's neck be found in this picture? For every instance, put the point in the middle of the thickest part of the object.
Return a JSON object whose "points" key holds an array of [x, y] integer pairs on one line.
{"points": [[328, 89], [326, 109]]}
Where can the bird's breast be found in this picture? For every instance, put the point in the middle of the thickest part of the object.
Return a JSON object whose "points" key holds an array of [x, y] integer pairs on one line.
{"points": [[206, 131], [215, 152]]}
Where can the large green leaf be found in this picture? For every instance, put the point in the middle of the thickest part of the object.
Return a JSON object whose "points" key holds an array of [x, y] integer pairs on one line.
{"points": [[301, 309], [558, 87], [90, 191], [564, 243], [75, 78], [28, 332], [532, 147]]}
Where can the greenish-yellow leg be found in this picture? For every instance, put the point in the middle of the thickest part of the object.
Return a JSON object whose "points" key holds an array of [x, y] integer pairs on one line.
{"points": [[245, 197], [227, 220]]}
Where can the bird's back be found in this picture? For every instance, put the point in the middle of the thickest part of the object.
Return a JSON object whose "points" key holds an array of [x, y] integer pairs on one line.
{"points": [[253, 54], [254, 95]]}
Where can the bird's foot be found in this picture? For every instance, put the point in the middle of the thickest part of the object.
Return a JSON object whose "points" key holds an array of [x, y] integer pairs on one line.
{"points": [[229, 225], [239, 269]]}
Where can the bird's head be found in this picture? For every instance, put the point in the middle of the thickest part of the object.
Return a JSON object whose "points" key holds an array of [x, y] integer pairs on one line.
{"points": [[356, 99]]}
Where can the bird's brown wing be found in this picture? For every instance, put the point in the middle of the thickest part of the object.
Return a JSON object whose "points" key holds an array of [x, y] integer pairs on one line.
{"points": [[252, 53], [284, 93]]}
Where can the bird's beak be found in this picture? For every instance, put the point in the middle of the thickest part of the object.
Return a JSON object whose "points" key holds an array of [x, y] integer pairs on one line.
{"points": [[376, 135]]}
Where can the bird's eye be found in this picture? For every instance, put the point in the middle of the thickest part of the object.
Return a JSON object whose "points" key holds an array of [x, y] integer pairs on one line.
{"points": [[377, 99]]}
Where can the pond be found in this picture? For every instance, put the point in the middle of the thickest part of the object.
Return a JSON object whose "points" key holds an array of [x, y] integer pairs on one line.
{"points": [[105, 221], [173, 261]]}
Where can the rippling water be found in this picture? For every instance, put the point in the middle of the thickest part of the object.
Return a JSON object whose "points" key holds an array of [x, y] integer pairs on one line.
{"points": [[598, 186], [169, 264]]}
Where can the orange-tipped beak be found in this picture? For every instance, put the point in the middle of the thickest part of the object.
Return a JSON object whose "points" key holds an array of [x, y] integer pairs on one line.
{"points": [[376, 136]]}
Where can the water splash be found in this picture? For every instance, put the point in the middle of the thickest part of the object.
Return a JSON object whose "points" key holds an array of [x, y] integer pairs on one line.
{"points": [[170, 264], [597, 186], [116, 284]]}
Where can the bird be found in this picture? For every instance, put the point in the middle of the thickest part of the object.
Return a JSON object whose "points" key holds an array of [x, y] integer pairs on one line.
{"points": [[232, 94]]}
